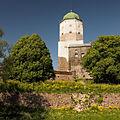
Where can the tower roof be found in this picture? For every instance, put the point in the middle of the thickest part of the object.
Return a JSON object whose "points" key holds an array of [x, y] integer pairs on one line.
{"points": [[71, 15]]}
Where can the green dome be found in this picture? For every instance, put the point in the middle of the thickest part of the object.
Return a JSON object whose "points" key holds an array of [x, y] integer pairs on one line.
{"points": [[71, 15]]}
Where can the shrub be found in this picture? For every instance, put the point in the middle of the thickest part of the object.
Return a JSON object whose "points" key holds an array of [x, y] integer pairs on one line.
{"points": [[31, 60], [103, 59]]}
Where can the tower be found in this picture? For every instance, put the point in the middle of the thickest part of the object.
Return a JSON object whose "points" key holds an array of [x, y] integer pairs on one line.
{"points": [[71, 47]]}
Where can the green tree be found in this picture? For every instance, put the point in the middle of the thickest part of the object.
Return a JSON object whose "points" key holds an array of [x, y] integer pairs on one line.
{"points": [[1, 32], [3, 45], [4, 48], [103, 59], [31, 60], [6, 68]]}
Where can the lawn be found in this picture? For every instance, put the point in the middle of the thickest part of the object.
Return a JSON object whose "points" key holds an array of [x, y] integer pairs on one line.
{"points": [[24, 113]]}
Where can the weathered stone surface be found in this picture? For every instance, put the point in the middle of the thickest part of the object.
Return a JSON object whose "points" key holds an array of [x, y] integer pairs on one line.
{"points": [[62, 63], [75, 61], [64, 75], [78, 100]]}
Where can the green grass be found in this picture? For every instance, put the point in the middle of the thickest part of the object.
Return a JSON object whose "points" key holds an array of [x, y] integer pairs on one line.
{"points": [[24, 113], [65, 115], [58, 87]]}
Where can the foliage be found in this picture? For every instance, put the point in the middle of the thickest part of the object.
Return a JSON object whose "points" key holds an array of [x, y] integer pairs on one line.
{"points": [[1, 32], [3, 45], [103, 59], [31, 60], [99, 100], [4, 49], [84, 81], [7, 67], [95, 112], [14, 112], [58, 87], [42, 87], [97, 108]]}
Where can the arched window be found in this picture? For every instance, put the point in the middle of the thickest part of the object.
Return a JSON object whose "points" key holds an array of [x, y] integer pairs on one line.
{"points": [[76, 53], [82, 54], [78, 32], [70, 32], [62, 33]]}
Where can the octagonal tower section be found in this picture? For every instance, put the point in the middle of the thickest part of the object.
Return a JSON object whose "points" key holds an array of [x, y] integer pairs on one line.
{"points": [[71, 32]]}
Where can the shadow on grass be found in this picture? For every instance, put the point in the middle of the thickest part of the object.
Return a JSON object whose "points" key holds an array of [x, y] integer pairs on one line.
{"points": [[15, 112]]}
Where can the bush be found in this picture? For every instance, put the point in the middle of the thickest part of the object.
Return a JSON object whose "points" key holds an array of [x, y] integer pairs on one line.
{"points": [[103, 59], [31, 60]]}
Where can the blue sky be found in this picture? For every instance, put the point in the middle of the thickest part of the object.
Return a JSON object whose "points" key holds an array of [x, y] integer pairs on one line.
{"points": [[21, 17]]}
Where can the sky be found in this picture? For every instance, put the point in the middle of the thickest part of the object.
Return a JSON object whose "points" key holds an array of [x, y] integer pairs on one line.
{"points": [[21, 17]]}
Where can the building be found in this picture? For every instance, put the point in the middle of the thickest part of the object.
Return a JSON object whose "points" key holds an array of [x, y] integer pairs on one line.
{"points": [[71, 47]]}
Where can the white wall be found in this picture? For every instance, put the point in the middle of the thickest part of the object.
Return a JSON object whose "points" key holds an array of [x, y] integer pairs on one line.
{"points": [[63, 47], [76, 26]]}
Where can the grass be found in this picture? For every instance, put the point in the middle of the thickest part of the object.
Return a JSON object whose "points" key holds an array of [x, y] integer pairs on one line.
{"points": [[58, 87], [24, 113], [64, 115]]}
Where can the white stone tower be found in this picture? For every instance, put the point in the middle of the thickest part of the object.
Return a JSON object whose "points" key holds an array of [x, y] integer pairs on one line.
{"points": [[71, 32]]}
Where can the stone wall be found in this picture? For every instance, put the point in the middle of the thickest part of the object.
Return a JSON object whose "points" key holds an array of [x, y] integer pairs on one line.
{"points": [[62, 63], [79, 101], [75, 59], [64, 75]]}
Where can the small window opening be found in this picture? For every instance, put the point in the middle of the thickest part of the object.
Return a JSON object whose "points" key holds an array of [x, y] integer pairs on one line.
{"points": [[78, 32], [76, 51], [70, 32], [82, 54], [76, 54], [70, 25], [62, 33]]}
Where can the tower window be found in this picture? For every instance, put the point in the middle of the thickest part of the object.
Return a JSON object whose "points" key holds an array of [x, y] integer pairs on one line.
{"points": [[76, 51], [76, 54], [70, 32], [82, 54], [78, 32], [62, 33]]}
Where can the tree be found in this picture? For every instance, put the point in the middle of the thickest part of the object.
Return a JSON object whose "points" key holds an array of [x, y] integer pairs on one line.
{"points": [[3, 45], [1, 32], [103, 59], [31, 60], [6, 68]]}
